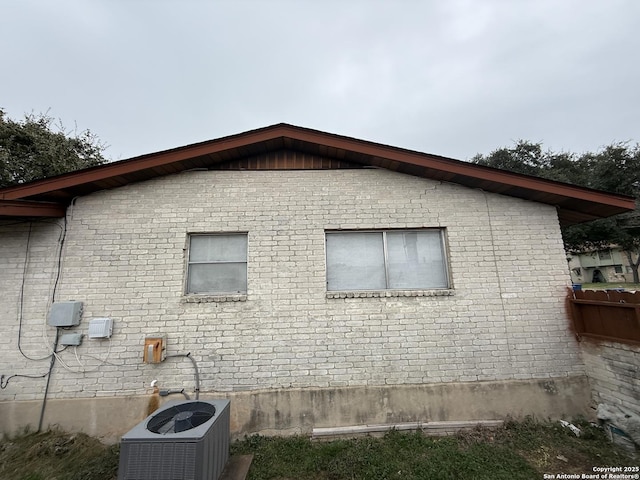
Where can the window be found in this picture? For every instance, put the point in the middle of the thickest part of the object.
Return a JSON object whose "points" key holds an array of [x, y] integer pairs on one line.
{"points": [[217, 263], [604, 254], [393, 259], [617, 268]]}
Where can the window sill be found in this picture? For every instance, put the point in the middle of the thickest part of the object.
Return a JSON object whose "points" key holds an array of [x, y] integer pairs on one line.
{"points": [[230, 297], [391, 293]]}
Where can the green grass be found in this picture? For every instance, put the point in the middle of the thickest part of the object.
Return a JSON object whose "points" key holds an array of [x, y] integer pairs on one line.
{"points": [[56, 455], [519, 450], [605, 286], [396, 456]]}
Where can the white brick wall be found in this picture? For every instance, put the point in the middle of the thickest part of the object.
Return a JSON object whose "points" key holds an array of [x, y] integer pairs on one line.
{"points": [[614, 373], [124, 257], [35, 338]]}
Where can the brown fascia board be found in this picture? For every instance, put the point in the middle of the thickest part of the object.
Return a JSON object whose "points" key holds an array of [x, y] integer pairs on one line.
{"points": [[493, 176], [135, 164], [23, 208]]}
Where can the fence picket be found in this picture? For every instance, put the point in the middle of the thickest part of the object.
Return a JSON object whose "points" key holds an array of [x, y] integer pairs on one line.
{"points": [[606, 314]]}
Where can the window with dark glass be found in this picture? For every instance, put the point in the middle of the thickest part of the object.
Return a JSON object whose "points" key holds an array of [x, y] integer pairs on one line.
{"points": [[604, 254]]}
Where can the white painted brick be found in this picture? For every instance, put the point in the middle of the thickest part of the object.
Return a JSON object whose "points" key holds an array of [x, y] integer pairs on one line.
{"points": [[124, 257], [614, 371]]}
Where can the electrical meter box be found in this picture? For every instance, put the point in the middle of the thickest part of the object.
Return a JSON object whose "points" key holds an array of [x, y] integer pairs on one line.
{"points": [[65, 314], [155, 349]]}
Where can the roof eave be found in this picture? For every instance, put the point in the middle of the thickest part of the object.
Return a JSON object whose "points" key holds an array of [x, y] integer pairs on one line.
{"points": [[24, 208], [576, 204]]}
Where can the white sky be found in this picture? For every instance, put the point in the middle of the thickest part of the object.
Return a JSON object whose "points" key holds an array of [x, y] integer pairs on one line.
{"points": [[448, 77]]}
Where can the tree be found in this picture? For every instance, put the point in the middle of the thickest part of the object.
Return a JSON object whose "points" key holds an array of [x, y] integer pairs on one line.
{"points": [[36, 148], [616, 169]]}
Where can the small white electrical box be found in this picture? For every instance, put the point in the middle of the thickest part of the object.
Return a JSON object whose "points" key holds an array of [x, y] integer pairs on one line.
{"points": [[71, 339], [100, 328], [65, 314]]}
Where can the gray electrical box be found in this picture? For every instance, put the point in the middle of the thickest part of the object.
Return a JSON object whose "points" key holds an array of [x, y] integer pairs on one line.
{"points": [[65, 314], [71, 339]]}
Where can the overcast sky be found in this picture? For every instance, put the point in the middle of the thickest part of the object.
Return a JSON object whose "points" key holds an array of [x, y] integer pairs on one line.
{"points": [[448, 77]]}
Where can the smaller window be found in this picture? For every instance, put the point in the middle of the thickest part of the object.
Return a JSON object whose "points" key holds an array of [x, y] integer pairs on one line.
{"points": [[217, 264], [618, 268], [604, 254]]}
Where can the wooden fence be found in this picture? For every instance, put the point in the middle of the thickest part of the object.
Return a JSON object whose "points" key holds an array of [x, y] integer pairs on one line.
{"points": [[606, 315]]}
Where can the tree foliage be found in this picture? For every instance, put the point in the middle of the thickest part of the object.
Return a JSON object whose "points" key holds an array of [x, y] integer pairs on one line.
{"points": [[615, 168], [36, 147]]}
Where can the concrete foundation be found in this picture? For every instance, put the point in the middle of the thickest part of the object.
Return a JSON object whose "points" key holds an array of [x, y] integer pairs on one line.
{"points": [[298, 411]]}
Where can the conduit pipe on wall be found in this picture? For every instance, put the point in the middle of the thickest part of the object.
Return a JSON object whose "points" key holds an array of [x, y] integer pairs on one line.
{"points": [[195, 367], [46, 390], [61, 240], [164, 393]]}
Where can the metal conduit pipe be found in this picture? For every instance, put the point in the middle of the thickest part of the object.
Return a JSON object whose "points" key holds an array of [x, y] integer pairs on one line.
{"points": [[164, 393], [195, 367], [46, 390]]}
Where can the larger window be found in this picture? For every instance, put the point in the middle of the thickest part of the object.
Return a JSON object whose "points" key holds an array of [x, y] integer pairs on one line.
{"points": [[392, 259], [217, 264]]}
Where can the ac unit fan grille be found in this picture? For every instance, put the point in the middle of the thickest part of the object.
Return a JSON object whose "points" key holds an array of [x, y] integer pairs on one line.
{"points": [[181, 418]]}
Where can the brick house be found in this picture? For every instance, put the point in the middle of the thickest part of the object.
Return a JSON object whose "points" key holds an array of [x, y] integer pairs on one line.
{"points": [[315, 280]]}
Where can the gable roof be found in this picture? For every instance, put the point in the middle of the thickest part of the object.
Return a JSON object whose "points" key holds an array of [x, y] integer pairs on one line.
{"points": [[50, 196]]}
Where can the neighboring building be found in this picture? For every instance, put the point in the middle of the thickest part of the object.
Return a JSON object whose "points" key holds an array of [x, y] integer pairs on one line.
{"points": [[315, 280], [598, 266]]}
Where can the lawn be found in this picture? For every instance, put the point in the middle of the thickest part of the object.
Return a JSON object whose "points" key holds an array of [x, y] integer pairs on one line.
{"points": [[519, 450], [607, 286]]}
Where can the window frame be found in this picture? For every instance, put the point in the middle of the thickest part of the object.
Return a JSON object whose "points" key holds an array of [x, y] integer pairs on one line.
{"points": [[604, 255], [443, 248], [189, 263]]}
